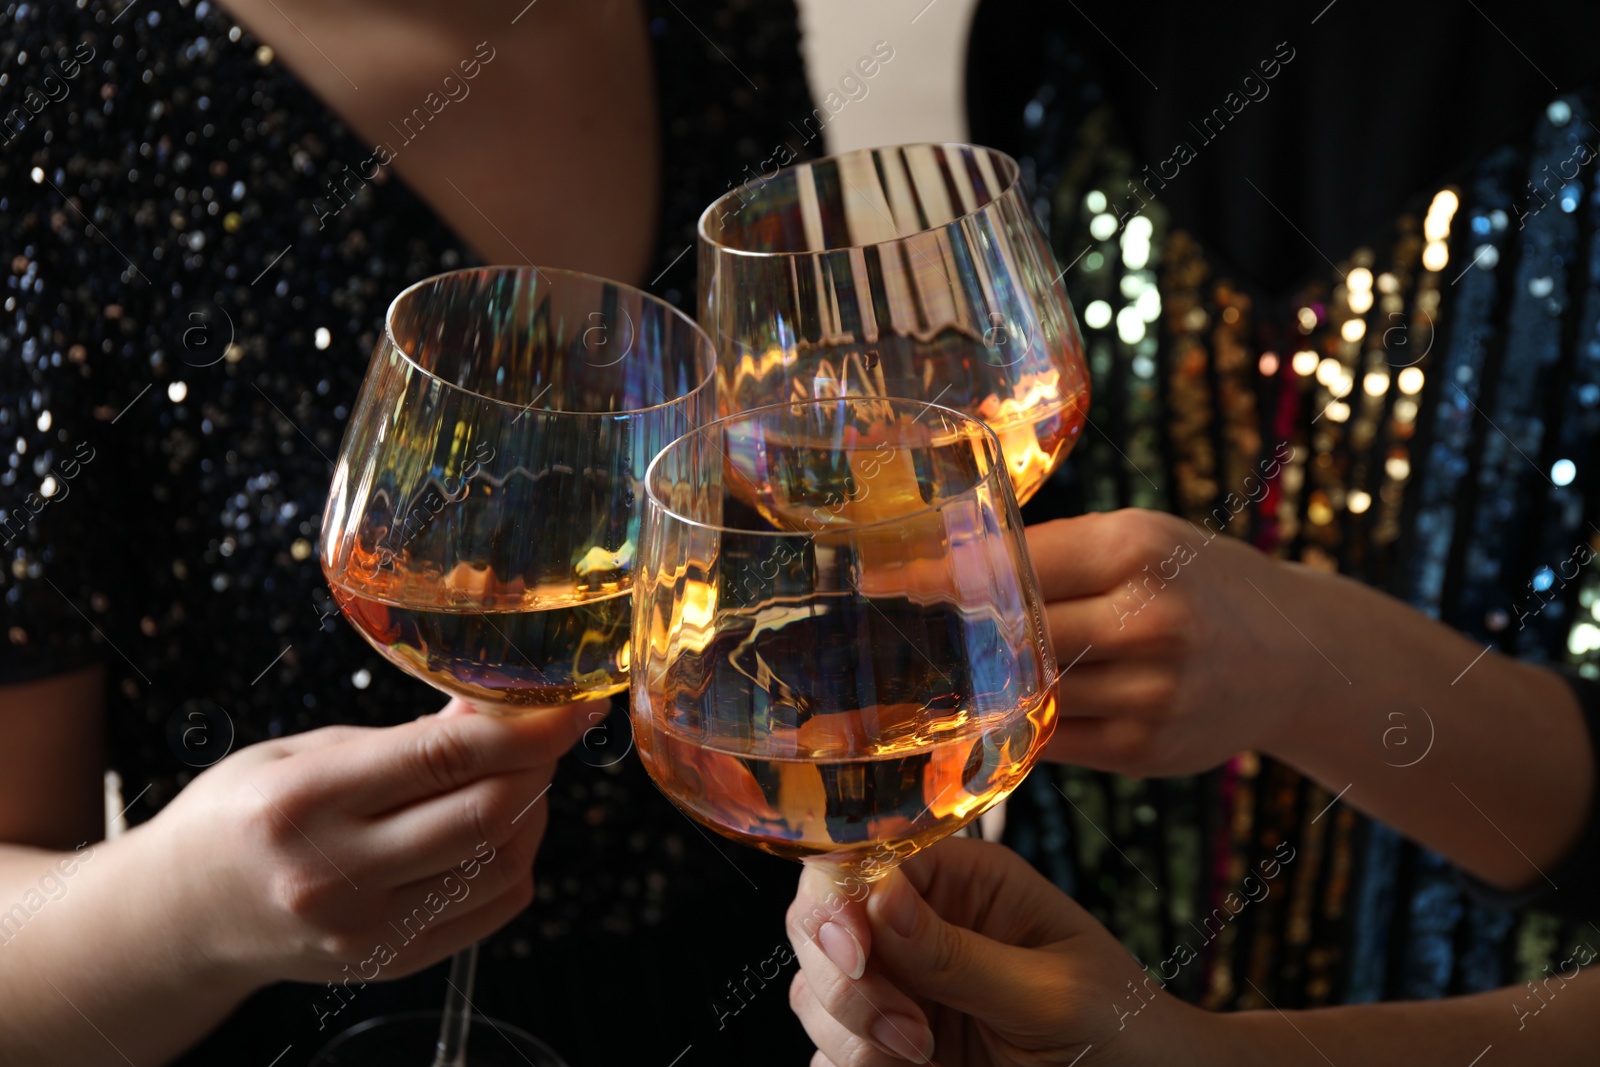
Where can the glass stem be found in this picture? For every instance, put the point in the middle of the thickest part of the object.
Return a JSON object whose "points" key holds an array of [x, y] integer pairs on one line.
{"points": [[457, 1010]]}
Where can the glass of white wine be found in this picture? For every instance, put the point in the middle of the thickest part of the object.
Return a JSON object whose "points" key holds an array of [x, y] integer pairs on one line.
{"points": [[482, 526], [916, 271], [838, 648]]}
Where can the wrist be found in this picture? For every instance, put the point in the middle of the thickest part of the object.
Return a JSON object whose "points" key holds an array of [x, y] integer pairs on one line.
{"points": [[1198, 1038], [188, 911], [1240, 1039], [1302, 686]]}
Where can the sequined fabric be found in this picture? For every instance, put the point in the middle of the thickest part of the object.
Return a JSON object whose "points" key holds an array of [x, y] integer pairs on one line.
{"points": [[1434, 404], [182, 343]]}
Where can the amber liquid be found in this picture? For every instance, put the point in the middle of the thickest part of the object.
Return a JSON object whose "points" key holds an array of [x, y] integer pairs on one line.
{"points": [[1036, 444], [748, 735], [1038, 422], [817, 487], [504, 651]]}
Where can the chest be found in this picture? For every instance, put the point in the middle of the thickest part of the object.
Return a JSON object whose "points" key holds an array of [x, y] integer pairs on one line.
{"points": [[529, 129]]}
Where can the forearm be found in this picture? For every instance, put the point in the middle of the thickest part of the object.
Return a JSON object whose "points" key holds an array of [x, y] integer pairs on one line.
{"points": [[99, 965], [1485, 760], [1550, 1024]]}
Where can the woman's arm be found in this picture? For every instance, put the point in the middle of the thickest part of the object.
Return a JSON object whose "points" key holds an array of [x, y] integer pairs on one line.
{"points": [[99, 960], [1193, 650], [90, 932], [287, 860], [1549, 1023], [1483, 758]]}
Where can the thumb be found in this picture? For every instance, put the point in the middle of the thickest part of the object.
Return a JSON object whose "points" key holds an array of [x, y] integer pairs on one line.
{"points": [[556, 727], [457, 706], [583, 715], [961, 969]]}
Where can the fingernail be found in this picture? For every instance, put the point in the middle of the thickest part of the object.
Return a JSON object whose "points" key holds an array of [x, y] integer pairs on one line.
{"points": [[841, 946], [897, 905], [904, 1036]]}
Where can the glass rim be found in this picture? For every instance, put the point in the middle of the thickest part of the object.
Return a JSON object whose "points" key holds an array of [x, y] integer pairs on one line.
{"points": [[575, 275], [722, 247], [997, 469]]}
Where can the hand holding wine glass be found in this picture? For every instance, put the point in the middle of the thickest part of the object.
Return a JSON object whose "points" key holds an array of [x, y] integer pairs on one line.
{"points": [[968, 955], [1156, 615], [334, 834], [481, 529], [838, 648]]}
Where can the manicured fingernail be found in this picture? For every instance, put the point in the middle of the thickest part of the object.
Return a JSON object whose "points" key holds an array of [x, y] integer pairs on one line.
{"points": [[905, 1037], [897, 905], [841, 946]]}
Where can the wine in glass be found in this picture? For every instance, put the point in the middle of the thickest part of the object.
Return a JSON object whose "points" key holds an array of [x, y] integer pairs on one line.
{"points": [[838, 648], [916, 271], [482, 527]]}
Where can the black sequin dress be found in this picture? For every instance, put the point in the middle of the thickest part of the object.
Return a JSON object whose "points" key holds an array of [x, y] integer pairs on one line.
{"points": [[182, 342]]}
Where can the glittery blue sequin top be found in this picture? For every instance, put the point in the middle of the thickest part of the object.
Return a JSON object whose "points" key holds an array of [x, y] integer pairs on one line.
{"points": [[1430, 380]]}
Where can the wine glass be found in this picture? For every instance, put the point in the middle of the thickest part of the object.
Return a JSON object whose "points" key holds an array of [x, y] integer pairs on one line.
{"points": [[482, 525], [838, 648], [916, 271]]}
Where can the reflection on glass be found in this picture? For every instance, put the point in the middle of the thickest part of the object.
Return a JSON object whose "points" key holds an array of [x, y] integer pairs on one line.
{"points": [[483, 521], [915, 271], [482, 524], [838, 646]]}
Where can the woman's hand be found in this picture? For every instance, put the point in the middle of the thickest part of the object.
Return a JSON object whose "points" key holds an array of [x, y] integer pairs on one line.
{"points": [[361, 853], [1180, 650], [968, 957], [1174, 651]]}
